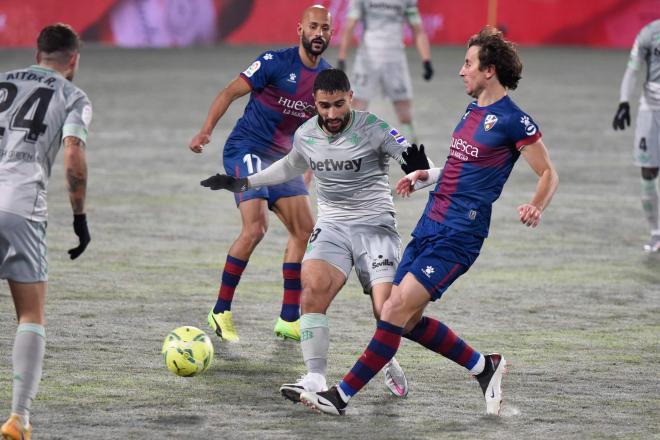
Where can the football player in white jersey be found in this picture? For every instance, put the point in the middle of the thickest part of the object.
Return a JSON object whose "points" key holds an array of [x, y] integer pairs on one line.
{"points": [[348, 152], [380, 62], [645, 50], [40, 109]]}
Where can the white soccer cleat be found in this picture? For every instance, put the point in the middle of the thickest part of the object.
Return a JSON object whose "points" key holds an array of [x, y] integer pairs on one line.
{"points": [[395, 378], [653, 245], [491, 382], [312, 382], [329, 402]]}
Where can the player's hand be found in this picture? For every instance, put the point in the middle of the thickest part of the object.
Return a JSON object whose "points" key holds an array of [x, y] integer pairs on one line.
{"points": [[529, 215], [415, 159], [81, 230], [622, 116], [406, 185], [222, 181], [428, 70], [341, 65], [198, 142]]}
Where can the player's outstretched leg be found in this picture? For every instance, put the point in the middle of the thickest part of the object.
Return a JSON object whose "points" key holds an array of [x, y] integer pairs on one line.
{"points": [[311, 382], [220, 317], [288, 323], [395, 378], [379, 352], [490, 381], [651, 206]]}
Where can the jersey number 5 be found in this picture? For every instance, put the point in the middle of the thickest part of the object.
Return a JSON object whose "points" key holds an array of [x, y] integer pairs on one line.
{"points": [[30, 115]]}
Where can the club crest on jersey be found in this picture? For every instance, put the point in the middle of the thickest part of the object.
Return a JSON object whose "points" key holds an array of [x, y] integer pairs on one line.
{"points": [[252, 69], [398, 137], [489, 122]]}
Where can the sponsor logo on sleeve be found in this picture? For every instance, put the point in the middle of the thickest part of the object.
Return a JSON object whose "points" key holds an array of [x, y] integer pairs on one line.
{"points": [[252, 69], [489, 122], [530, 128], [268, 56], [292, 77], [428, 271], [398, 137]]}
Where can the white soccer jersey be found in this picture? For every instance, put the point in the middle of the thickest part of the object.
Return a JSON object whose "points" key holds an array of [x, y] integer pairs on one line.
{"points": [[646, 50], [351, 168], [384, 22], [38, 107]]}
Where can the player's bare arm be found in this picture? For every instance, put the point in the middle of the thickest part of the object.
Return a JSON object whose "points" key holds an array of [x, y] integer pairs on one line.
{"points": [[417, 180], [234, 90], [538, 159], [75, 169], [424, 49], [345, 43]]}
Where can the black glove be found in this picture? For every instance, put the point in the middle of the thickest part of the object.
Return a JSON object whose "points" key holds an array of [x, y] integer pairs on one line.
{"points": [[341, 65], [415, 159], [222, 181], [80, 228], [428, 70], [622, 116]]}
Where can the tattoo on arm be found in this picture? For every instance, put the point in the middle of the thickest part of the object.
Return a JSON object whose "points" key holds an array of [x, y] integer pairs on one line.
{"points": [[76, 173]]}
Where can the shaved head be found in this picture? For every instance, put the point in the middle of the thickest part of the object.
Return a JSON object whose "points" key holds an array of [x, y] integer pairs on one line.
{"points": [[315, 30], [318, 13]]}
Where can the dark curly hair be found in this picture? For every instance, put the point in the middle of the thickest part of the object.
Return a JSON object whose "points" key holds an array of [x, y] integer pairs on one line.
{"points": [[58, 41], [494, 50]]}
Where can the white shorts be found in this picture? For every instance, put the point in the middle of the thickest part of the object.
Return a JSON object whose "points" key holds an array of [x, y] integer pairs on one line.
{"points": [[373, 247], [372, 74], [22, 249], [646, 152]]}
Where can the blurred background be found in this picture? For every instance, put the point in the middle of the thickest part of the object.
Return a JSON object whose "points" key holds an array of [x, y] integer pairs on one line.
{"points": [[178, 23]]}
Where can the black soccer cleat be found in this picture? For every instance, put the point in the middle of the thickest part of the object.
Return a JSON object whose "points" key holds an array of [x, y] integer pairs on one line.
{"points": [[490, 381], [329, 402]]}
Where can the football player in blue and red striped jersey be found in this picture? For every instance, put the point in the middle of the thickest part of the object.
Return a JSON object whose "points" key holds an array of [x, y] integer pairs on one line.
{"points": [[281, 99], [491, 135]]}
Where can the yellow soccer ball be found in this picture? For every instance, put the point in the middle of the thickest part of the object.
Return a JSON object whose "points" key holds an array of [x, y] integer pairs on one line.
{"points": [[187, 351]]}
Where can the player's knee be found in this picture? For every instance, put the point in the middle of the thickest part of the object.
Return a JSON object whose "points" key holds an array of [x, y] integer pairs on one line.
{"points": [[255, 232], [315, 296]]}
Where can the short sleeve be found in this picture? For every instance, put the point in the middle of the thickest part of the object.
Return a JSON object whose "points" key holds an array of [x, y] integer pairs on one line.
{"points": [[355, 10], [523, 130], [392, 142], [259, 74], [639, 50], [78, 118], [412, 12]]}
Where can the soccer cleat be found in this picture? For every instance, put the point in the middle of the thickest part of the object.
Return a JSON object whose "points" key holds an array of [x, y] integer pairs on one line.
{"points": [[312, 382], [329, 402], [223, 326], [13, 429], [287, 330], [653, 245], [491, 382], [395, 378]]}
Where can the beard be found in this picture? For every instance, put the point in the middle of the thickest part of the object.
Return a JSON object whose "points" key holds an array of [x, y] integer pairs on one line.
{"points": [[308, 45], [344, 122]]}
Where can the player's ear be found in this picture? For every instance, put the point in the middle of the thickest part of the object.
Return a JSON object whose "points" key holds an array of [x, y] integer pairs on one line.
{"points": [[299, 29], [37, 56]]}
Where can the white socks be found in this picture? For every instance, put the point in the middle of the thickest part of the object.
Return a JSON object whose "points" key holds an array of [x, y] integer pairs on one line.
{"points": [[27, 360]]}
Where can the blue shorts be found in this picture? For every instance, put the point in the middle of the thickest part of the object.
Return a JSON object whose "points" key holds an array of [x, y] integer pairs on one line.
{"points": [[437, 255], [243, 163]]}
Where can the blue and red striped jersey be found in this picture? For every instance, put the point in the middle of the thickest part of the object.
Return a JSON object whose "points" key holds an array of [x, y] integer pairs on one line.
{"points": [[485, 145], [280, 101]]}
